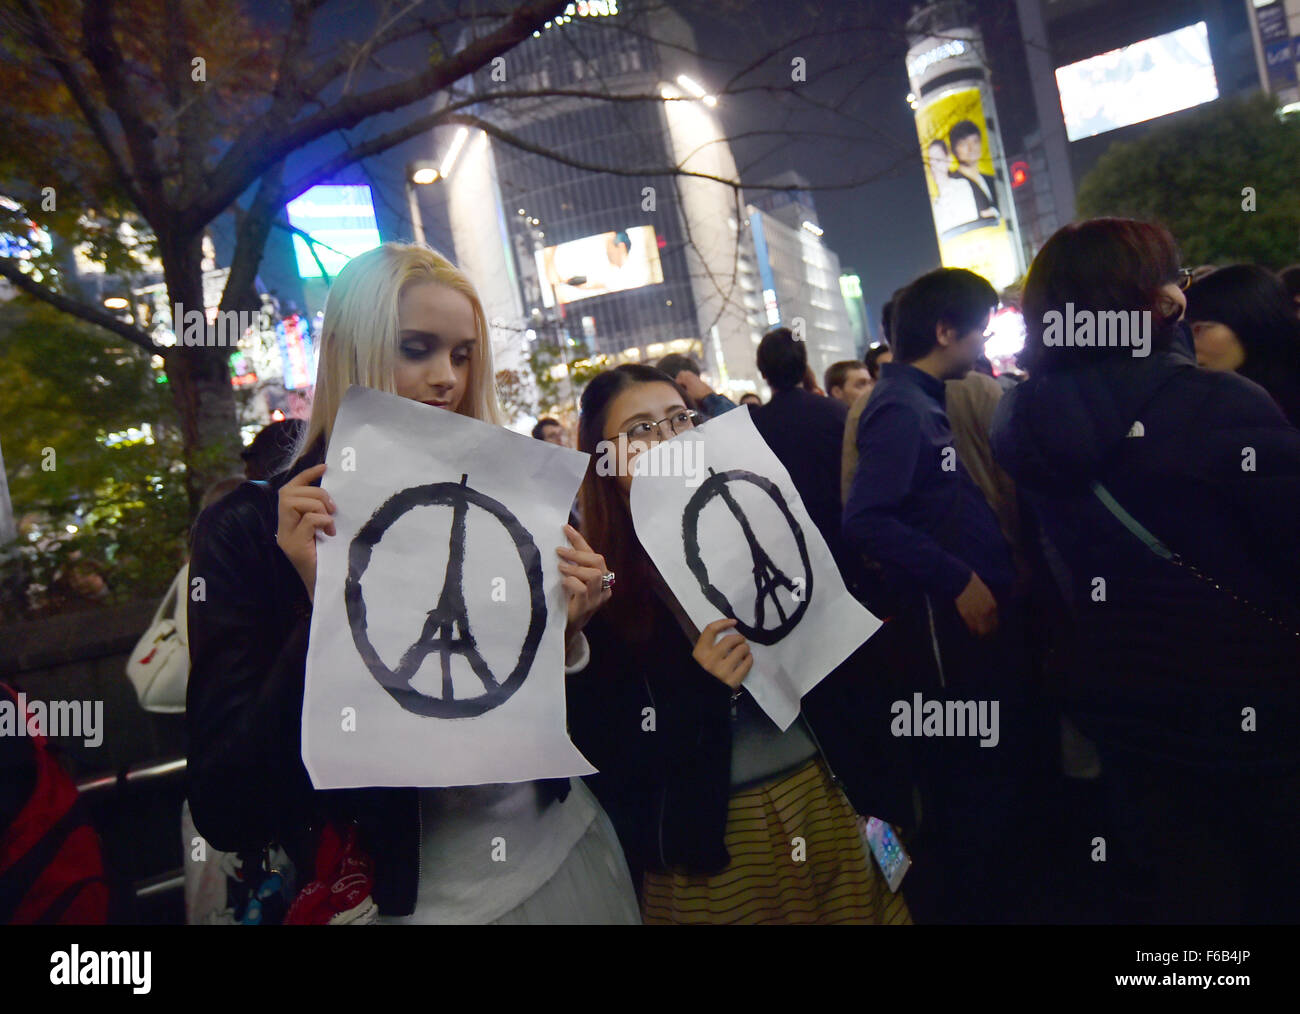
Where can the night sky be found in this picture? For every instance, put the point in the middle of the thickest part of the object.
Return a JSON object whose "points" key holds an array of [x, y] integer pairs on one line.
{"points": [[864, 133], [848, 127]]}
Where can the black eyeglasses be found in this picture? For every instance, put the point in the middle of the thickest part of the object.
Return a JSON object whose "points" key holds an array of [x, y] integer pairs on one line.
{"points": [[679, 422], [1184, 278]]}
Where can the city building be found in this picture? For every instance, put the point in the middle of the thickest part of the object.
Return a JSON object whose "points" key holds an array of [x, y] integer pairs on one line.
{"points": [[1275, 32], [799, 274], [628, 264]]}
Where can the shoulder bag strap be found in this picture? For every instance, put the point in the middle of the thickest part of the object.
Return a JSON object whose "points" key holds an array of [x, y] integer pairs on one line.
{"points": [[1165, 553]]}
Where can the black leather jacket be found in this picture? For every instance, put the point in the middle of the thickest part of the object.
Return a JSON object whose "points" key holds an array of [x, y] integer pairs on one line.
{"points": [[248, 629], [668, 792]]}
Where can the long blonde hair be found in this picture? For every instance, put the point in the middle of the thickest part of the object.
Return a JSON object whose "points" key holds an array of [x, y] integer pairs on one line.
{"points": [[359, 339]]}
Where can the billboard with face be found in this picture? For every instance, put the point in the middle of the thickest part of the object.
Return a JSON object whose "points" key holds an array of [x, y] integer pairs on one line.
{"points": [[966, 199], [595, 265]]}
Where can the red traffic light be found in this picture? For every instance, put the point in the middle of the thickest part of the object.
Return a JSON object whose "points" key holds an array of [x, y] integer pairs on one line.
{"points": [[1019, 174]]}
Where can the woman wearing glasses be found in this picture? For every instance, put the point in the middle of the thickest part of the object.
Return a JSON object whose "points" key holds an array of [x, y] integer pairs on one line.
{"points": [[1168, 494], [728, 819]]}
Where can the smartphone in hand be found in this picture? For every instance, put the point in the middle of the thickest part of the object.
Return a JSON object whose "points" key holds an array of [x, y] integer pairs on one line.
{"points": [[891, 857]]}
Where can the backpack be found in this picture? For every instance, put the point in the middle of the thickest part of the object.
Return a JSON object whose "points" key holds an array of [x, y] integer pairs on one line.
{"points": [[159, 665], [51, 870]]}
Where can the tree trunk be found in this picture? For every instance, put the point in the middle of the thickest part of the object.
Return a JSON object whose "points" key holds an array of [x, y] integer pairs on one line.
{"points": [[200, 380]]}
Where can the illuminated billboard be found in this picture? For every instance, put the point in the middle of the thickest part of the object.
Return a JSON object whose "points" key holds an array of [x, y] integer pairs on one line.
{"points": [[341, 217], [596, 265], [297, 354], [1150, 78], [966, 200]]}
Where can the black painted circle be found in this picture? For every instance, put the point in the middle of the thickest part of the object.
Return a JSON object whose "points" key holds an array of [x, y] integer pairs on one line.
{"points": [[442, 494], [711, 488]]}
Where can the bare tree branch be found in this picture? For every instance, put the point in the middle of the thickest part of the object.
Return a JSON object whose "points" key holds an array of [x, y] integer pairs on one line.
{"points": [[22, 281], [272, 140]]}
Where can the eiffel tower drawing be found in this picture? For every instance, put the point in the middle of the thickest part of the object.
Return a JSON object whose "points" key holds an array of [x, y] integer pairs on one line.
{"points": [[446, 630], [768, 578]]}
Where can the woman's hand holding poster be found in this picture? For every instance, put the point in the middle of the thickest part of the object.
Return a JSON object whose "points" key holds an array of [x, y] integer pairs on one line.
{"points": [[726, 529], [436, 655]]}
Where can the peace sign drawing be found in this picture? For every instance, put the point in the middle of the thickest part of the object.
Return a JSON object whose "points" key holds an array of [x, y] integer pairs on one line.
{"points": [[446, 631], [769, 579]]}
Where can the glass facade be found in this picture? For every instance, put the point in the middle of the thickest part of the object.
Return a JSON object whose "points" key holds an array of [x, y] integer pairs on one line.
{"points": [[561, 203]]}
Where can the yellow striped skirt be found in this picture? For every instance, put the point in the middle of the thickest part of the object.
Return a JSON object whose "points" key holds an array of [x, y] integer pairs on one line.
{"points": [[770, 879]]}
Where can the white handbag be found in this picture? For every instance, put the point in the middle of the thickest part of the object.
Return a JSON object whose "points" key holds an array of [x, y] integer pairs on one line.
{"points": [[159, 666]]}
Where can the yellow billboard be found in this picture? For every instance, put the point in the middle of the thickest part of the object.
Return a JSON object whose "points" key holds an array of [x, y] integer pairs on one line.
{"points": [[965, 200]]}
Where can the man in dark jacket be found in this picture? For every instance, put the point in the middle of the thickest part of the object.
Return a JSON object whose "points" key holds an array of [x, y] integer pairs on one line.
{"points": [[805, 432], [914, 508]]}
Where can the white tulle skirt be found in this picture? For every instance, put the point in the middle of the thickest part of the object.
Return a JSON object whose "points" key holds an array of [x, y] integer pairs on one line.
{"points": [[592, 887]]}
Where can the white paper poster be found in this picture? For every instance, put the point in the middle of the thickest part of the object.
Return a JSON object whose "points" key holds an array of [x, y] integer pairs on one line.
{"points": [[731, 537], [436, 655]]}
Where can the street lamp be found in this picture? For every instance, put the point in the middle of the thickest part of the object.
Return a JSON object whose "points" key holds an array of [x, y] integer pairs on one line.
{"points": [[422, 172], [425, 172]]}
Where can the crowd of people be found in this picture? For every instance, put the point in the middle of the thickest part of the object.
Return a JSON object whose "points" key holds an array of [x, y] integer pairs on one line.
{"points": [[1104, 546], [1107, 549]]}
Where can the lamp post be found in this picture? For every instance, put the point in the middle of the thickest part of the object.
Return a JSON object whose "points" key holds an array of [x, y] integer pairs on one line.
{"points": [[422, 172]]}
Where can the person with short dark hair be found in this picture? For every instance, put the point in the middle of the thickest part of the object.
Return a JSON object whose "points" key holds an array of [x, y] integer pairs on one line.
{"points": [[1243, 320], [914, 510], [876, 356], [804, 431], [967, 143], [271, 449], [1171, 548], [846, 380], [550, 430], [782, 360], [685, 372]]}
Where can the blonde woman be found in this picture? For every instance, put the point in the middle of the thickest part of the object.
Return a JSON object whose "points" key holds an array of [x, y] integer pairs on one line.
{"points": [[401, 319]]}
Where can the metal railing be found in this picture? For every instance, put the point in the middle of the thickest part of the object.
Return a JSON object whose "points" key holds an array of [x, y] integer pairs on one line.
{"points": [[150, 775], [133, 775]]}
